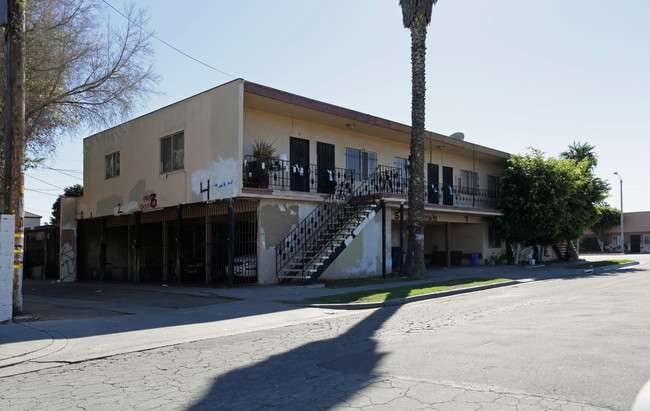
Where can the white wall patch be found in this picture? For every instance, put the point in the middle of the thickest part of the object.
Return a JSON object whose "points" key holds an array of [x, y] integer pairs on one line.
{"points": [[217, 182]]}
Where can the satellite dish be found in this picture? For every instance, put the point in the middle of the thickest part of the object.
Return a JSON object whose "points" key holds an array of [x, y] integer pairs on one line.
{"points": [[458, 136]]}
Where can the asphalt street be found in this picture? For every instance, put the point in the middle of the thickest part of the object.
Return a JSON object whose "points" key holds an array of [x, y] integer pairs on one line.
{"points": [[577, 342]]}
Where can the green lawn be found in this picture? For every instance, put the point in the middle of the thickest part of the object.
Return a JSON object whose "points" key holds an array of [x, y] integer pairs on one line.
{"points": [[384, 294], [596, 264], [357, 282]]}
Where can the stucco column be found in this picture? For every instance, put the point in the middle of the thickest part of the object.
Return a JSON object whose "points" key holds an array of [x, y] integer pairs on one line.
{"points": [[68, 240]]}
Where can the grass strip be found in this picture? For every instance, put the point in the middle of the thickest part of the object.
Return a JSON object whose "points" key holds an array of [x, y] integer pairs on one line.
{"points": [[596, 264], [359, 282], [384, 294]]}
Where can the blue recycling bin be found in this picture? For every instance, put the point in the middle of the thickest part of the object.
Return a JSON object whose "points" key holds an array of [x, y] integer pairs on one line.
{"points": [[474, 258]]}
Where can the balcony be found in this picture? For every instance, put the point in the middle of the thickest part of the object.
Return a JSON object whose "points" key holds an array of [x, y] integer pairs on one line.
{"points": [[281, 175]]}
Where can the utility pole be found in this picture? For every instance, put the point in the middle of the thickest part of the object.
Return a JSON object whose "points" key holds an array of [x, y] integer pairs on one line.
{"points": [[14, 149]]}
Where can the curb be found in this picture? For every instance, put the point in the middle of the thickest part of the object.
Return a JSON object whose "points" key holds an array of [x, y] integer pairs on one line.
{"points": [[406, 300], [608, 267]]}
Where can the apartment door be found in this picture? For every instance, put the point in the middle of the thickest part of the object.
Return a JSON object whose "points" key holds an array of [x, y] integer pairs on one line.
{"points": [[433, 185], [447, 185], [635, 243], [325, 165], [299, 167]]}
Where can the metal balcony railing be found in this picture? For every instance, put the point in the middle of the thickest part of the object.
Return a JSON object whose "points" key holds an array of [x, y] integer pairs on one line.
{"points": [[278, 174]]}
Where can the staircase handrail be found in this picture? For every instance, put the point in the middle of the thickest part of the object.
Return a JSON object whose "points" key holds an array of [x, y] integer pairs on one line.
{"points": [[373, 185]]}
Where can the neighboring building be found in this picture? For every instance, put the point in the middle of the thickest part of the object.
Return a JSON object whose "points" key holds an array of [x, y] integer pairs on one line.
{"points": [[636, 229], [177, 196], [32, 220]]}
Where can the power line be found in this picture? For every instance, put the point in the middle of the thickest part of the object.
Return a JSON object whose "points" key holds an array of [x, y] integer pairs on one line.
{"points": [[167, 44], [43, 181], [59, 171], [42, 192]]}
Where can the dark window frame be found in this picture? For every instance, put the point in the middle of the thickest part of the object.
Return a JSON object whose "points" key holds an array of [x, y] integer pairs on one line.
{"points": [[172, 153], [112, 165]]}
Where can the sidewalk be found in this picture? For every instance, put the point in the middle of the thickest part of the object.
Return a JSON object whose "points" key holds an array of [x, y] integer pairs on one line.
{"points": [[82, 321]]}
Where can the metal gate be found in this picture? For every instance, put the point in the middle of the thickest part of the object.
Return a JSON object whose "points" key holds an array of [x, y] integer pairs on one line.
{"points": [[188, 244]]}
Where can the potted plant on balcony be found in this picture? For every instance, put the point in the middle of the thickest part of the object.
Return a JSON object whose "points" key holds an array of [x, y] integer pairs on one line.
{"points": [[265, 161]]}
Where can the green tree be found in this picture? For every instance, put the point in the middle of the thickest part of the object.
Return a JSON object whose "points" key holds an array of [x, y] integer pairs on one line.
{"points": [[548, 200], [76, 190], [581, 151], [607, 218], [416, 15]]}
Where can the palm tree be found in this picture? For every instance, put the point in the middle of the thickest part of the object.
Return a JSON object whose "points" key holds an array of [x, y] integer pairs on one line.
{"points": [[416, 17], [581, 151]]}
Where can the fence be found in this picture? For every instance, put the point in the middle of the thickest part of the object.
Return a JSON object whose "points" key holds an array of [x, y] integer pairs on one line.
{"points": [[199, 243]]}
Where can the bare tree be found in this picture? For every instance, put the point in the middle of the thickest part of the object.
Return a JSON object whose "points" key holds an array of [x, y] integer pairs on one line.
{"points": [[66, 70], [416, 17], [81, 69]]}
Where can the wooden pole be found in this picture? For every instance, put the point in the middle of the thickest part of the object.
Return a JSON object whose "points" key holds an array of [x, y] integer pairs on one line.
{"points": [[14, 177]]}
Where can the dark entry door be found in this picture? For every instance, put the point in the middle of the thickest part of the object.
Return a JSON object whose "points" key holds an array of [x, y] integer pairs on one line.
{"points": [[433, 187], [635, 243], [447, 185], [325, 165], [299, 168]]}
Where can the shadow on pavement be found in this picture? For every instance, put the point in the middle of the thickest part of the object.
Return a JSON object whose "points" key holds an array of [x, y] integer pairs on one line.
{"points": [[77, 310], [317, 375]]}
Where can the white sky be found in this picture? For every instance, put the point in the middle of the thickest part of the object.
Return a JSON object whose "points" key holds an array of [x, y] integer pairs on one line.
{"points": [[510, 74]]}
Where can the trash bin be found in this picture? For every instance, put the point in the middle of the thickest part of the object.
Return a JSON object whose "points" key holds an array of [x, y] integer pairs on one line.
{"points": [[474, 258], [395, 253]]}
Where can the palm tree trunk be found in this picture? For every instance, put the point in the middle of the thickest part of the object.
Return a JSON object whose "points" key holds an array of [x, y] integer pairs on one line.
{"points": [[415, 254]]}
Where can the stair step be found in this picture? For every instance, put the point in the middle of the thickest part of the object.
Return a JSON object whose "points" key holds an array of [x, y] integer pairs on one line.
{"points": [[305, 277]]}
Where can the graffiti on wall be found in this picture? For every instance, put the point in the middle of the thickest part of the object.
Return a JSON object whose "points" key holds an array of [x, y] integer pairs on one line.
{"points": [[148, 201], [67, 263], [217, 182]]}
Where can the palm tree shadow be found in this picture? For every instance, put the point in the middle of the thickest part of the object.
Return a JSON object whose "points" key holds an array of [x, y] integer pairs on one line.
{"points": [[316, 375]]}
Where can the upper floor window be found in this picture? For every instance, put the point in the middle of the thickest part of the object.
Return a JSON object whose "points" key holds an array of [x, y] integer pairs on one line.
{"points": [[467, 180], [112, 162], [400, 164], [172, 153], [493, 186], [362, 162]]}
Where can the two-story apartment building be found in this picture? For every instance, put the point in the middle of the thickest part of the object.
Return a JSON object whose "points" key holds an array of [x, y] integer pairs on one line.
{"points": [[178, 194]]}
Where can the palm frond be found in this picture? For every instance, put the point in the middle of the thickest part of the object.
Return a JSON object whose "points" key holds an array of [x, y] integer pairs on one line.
{"points": [[411, 7]]}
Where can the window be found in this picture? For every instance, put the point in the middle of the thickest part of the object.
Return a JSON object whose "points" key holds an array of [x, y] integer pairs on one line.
{"points": [[362, 162], [493, 186], [646, 239], [112, 162], [172, 153], [400, 164], [493, 240], [467, 180], [616, 240]]}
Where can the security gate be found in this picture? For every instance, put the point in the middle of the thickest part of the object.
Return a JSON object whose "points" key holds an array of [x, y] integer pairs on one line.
{"points": [[188, 244]]}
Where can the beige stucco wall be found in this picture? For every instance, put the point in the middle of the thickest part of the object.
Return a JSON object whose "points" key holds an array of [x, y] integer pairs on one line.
{"points": [[278, 129], [276, 220], [362, 257], [212, 124]]}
